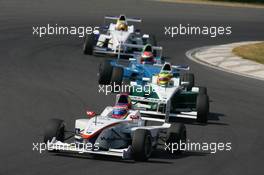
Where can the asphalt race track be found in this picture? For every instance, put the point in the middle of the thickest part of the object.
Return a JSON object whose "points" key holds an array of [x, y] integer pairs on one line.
{"points": [[43, 78]]}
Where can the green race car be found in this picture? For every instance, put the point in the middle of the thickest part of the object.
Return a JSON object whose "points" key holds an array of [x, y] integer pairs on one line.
{"points": [[170, 96]]}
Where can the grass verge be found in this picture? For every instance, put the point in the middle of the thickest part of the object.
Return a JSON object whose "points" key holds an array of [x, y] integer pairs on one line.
{"points": [[254, 52], [228, 3]]}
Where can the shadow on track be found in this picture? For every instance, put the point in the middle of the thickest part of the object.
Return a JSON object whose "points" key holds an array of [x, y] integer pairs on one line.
{"points": [[159, 156], [212, 118]]}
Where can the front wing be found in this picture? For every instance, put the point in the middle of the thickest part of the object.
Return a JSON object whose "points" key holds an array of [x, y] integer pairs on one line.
{"points": [[69, 148]]}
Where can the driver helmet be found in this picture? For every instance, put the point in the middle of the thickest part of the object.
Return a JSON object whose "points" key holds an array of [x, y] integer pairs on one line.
{"points": [[147, 58], [124, 100], [120, 112], [164, 78], [121, 26]]}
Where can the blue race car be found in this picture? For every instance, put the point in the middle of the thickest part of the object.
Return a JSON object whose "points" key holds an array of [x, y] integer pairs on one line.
{"points": [[142, 66]]}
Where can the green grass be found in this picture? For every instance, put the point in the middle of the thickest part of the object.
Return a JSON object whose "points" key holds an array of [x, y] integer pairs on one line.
{"points": [[254, 52], [228, 3], [241, 1]]}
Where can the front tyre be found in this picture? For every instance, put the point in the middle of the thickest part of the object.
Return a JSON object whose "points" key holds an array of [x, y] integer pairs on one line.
{"points": [[176, 134], [105, 73], [117, 76], [141, 145], [202, 106], [88, 44], [54, 128]]}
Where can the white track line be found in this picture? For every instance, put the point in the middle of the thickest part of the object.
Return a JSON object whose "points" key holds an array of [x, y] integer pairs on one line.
{"points": [[221, 57]]}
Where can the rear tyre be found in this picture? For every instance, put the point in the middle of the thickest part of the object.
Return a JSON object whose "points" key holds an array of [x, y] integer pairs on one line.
{"points": [[127, 88], [176, 134], [152, 40], [188, 77], [141, 145], [54, 128], [202, 106], [88, 44], [203, 90], [117, 78], [105, 73]]}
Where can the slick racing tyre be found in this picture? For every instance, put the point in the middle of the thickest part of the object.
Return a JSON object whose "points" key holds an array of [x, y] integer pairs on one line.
{"points": [[105, 73], [176, 134], [188, 77], [141, 145], [117, 77], [202, 106], [54, 128], [152, 40], [203, 90], [88, 44]]}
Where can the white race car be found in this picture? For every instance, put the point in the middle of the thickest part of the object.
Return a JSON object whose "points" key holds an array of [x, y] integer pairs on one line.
{"points": [[117, 131], [109, 39]]}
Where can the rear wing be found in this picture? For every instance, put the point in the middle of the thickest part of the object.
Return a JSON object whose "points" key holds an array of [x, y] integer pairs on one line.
{"points": [[181, 67], [158, 49], [138, 46], [126, 19], [164, 114], [144, 99], [177, 67], [140, 103]]}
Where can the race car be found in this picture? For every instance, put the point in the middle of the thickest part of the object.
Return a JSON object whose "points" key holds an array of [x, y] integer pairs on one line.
{"points": [[118, 131], [145, 64], [172, 97], [109, 40], [137, 65]]}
